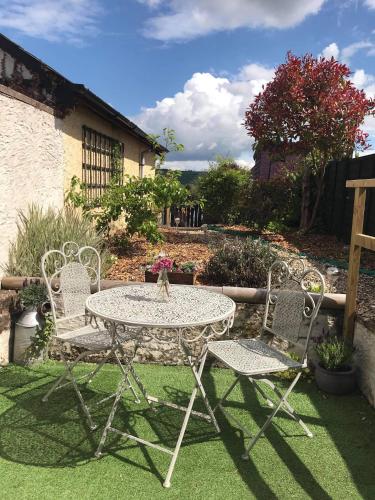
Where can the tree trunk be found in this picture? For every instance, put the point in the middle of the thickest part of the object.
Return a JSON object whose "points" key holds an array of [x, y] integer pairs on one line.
{"points": [[306, 199], [319, 191]]}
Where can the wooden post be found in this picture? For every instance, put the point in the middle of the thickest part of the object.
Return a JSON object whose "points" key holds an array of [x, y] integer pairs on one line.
{"points": [[168, 217], [354, 263]]}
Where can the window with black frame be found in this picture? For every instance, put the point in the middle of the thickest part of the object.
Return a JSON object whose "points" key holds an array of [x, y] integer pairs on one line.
{"points": [[102, 160]]}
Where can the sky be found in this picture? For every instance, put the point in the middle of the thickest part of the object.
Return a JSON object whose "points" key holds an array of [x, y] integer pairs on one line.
{"points": [[191, 65]]}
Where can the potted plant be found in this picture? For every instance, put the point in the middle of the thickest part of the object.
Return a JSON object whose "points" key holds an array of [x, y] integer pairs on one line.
{"points": [[334, 373], [178, 274], [32, 299]]}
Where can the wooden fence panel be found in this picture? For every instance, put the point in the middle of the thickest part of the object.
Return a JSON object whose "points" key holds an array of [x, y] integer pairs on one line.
{"points": [[190, 216], [337, 203]]}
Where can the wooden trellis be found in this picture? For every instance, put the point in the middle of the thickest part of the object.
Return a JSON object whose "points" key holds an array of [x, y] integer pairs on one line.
{"points": [[357, 242]]}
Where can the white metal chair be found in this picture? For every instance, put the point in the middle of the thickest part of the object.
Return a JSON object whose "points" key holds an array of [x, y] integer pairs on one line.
{"points": [[289, 315], [69, 274]]}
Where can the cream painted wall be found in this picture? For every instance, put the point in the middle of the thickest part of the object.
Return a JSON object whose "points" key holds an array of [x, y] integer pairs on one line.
{"points": [[31, 164], [72, 132]]}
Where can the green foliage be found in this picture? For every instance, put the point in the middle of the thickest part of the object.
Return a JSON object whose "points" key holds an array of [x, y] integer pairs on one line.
{"points": [[138, 201], [315, 287], [272, 204], [40, 231], [119, 243], [291, 373], [188, 267], [222, 189], [168, 140], [42, 337], [334, 353], [33, 295], [240, 263]]}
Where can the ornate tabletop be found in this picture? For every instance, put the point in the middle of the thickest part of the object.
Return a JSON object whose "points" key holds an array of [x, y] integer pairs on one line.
{"points": [[141, 306]]}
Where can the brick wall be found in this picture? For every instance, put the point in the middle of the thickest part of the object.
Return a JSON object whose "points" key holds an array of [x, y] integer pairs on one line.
{"points": [[7, 304], [266, 167]]}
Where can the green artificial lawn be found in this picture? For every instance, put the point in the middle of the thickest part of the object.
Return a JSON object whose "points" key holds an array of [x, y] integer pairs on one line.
{"points": [[46, 449]]}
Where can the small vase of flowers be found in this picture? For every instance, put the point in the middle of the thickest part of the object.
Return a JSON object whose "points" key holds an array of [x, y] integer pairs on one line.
{"points": [[161, 267]]}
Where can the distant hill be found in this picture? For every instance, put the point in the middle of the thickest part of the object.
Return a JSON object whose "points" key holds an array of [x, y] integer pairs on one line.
{"points": [[188, 177]]}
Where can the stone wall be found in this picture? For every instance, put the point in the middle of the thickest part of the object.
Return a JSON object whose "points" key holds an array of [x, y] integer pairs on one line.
{"points": [[7, 303], [247, 324], [31, 168], [364, 341]]}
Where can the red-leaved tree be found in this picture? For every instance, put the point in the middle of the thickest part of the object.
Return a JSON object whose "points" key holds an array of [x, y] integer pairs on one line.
{"points": [[310, 109]]}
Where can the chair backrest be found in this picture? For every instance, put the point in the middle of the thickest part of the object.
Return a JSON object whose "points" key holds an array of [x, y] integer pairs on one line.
{"points": [[294, 296], [69, 274]]}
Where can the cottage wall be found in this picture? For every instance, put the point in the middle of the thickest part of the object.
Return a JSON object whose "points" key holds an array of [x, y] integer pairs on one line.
{"points": [[72, 133], [31, 163]]}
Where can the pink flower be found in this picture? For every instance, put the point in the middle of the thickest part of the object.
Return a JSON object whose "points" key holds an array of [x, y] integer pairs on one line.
{"points": [[160, 264]]}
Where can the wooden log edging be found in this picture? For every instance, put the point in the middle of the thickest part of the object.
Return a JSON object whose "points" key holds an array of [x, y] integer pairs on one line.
{"points": [[238, 294]]}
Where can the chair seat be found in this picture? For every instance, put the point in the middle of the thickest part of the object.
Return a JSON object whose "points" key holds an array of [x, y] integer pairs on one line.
{"points": [[251, 356], [88, 337]]}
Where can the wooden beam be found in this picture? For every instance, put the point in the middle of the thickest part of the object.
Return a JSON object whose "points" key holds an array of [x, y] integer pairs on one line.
{"points": [[354, 262], [364, 183], [365, 241], [238, 294]]}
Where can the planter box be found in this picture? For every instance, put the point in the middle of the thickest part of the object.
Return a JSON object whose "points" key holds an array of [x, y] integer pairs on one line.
{"points": [[174, 278]]}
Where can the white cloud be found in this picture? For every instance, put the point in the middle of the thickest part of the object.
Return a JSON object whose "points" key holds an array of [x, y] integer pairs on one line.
{"points": [[52, 20], [331, 50], [345, 54], [187, 165], [363, 80], [368, 85], [208, 113], [348, 52], [370, 4], [187, 19]]}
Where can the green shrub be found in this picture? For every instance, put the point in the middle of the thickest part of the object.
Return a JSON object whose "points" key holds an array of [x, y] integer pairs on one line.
{"points": [[139, 201], [333, 352], [272, 204], [240, 263], [33, 295], [221, 187], [40, 231]]}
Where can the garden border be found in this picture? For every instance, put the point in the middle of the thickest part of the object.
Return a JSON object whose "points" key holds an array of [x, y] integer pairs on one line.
{"points": [[249, 234]]}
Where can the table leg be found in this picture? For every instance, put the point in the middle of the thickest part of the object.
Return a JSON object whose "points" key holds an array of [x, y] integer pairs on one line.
{"points": [[121, 388], [167, 482], [204, 395], [134, 374]]}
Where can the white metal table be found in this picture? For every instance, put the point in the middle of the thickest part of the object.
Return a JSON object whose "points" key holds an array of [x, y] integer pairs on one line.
{"points": [[191, 315]]}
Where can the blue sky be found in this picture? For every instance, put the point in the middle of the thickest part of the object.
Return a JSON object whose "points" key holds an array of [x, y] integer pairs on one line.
{"points": [[192, 65]]}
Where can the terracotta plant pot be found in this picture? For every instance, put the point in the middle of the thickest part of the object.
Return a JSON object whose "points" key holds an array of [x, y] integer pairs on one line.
{"points": [[173, 277], [339, 383]]}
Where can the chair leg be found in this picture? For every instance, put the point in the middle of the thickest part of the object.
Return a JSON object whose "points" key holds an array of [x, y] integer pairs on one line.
{"points": [[288, 409], [78, 392], [270, 403], [92, 374], [227, 392], [64, 376], [281, 402]]}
